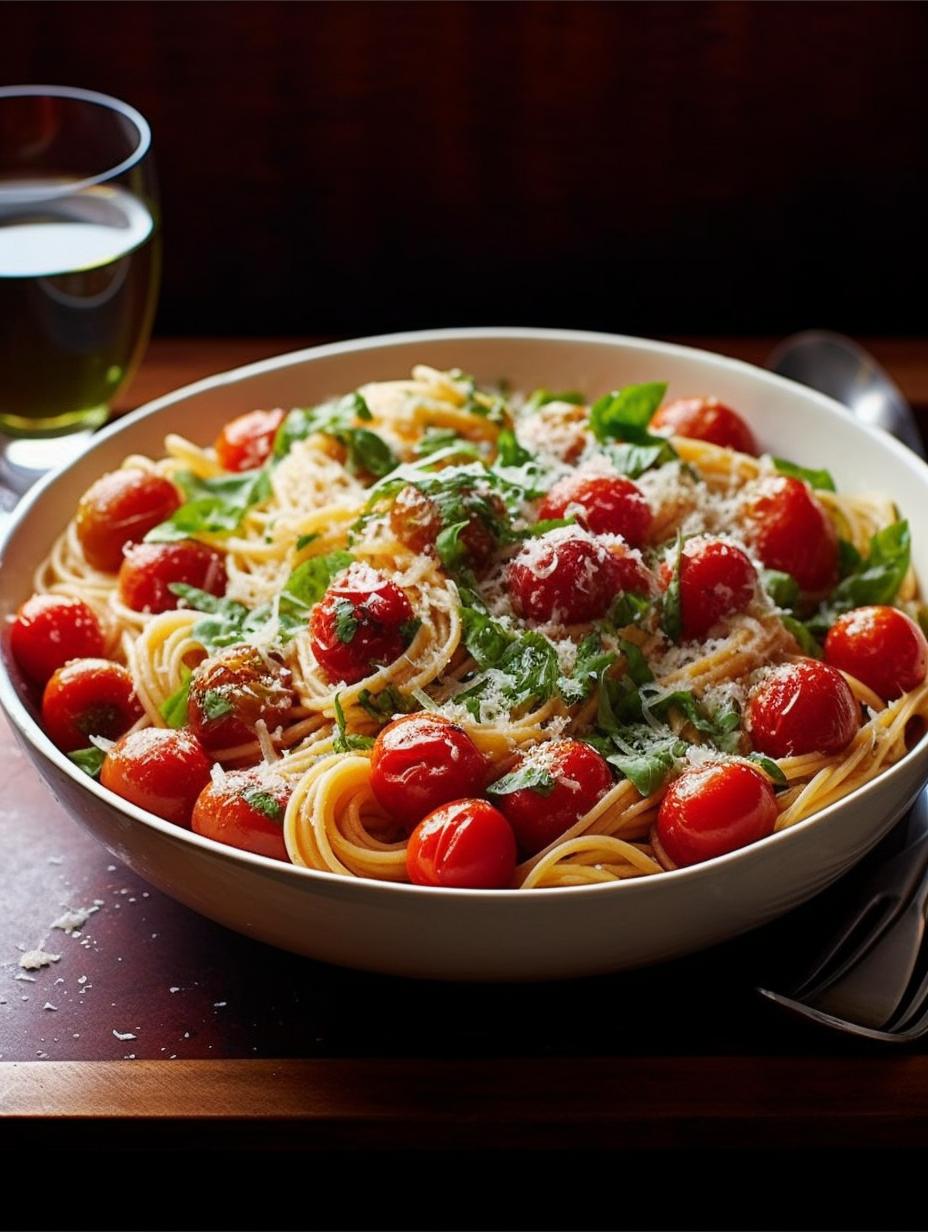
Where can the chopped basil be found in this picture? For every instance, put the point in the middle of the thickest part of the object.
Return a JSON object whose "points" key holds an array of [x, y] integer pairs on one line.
{"points": [[264, 802], [629, 608], [534, 778], [213, 506], [305, 540], [226, 623], [215, 704], [508, 450], [820, 479], [591, 660], [345, 741], [542, 527], [346, 621], [305, 587], [409, 629], [370, 453], [445, 438], [634, 460], [807, 642], [647, 759], [451, 551], [526, 674], [174, 709], [671, 613], [624, 414], [541, 397], [90, 760], [385, 704], [770, 768], [875, 579], [848, 558], [485, 638], [367, 452], [782, 588]]}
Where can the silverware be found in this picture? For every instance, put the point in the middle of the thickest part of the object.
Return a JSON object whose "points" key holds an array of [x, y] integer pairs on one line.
{"points": [[870, 979]]}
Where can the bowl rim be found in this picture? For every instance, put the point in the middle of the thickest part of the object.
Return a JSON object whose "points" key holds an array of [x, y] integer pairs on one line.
{"points": [[30, 731]]}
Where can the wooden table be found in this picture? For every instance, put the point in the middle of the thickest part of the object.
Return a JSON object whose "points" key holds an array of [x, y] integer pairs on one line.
{"points": [[160, 1031]]}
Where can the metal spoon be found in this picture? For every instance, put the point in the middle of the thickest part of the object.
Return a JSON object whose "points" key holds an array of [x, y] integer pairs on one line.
{"points": [[837, 366]]}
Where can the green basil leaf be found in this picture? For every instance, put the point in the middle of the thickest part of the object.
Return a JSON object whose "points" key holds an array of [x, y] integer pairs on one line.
{"points": [[648, 769], [215, 704], [451, 551], [508, 450], [770, 768], [591, 660], [782, 588], [671, 613], [848, 558], [213, 506], [486, 639], [306, 585], [541, 397], [875, 580], [369, 452], [445, 438], [542, 527], [305, 540], [633, 460], [265, 803], [637, 665], [532, 778], [332, 418], [385, 704], [803, 635], [526, 672], [820, 479], [629, 608], [625, 413], [226, 621], [90, 760], [174, 709], [346, 741], [346, 621]]}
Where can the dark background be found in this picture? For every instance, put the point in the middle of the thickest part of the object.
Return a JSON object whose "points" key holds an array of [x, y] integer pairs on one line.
{"points": [[653, 168]]}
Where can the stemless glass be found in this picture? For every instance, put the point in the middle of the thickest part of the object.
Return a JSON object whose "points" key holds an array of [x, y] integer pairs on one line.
{"points": [[79, 267]]}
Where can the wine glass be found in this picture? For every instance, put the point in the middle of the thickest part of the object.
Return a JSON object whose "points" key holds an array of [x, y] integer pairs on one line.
{"points": [[80, 266]]}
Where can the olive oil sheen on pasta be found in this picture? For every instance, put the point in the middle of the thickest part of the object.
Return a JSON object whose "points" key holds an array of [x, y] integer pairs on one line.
{"points": [[78, 280]]}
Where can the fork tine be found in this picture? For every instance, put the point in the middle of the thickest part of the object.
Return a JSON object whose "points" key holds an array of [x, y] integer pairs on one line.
{"points": [[861, 931]]}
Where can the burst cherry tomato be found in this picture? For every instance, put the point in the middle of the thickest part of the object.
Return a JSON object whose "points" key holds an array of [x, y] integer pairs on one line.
{"points": [[232, 691], [565, 576], [716, 580], [362, 621], [149, 568], [416, 521], [157, 769], [802, 707], [605, 504], [246, 442], [572, 777], [791, 531], [466, 844], [882, 647], [706, 419], [713, 809], [421, 761], [51, 629], [121, 508], [245, 809], [88, 697]]}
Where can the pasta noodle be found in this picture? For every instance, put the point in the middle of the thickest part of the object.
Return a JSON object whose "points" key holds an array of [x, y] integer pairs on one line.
{"points": [[321, 502]]}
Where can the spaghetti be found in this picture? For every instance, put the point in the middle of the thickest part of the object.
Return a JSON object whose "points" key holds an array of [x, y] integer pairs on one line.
{"points": [[434, 489]]}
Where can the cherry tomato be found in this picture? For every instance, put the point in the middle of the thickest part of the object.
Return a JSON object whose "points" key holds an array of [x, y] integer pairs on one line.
{"points": [[416, 520], [605, 504], [88, 697], [362, 621], [246, 442], [158, 769], [149, 568], [575, 777], [706, 419], [565, 576], [466, 844], [802, 707], [122, 508], [421, 761], [715, 808], [882, 647], [245, 809], [232, 691], [716, 580], [791, 531], [48, 630]]}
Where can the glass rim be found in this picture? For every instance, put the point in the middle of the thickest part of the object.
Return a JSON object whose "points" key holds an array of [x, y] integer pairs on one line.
{"points": [[135, 117]]}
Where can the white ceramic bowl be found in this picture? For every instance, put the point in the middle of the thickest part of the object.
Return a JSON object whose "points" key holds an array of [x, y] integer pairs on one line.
{"points": [[470, 934]]}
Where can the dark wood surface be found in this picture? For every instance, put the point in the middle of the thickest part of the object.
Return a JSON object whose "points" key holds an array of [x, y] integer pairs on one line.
{"points": [[650, 167], [277, 1051]]}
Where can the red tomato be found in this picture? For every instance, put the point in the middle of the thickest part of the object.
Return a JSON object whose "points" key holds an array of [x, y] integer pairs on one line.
{"points": [[246, 442], [605, 504], [232, 691], [122, 508], [416, 521], [716, 580], [467, 845], [791, 531], [802, 707], [362, 621], [48, 630], [576, 778], [421, 761], [89, 697], [565, 576], [158, 769], [715, 808], [245, 809], [149, 568], [882, 647], [706, 419]]}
